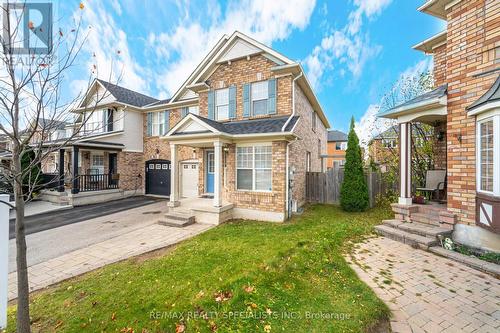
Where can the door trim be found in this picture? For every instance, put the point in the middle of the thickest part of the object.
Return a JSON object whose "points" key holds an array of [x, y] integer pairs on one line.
{"points": [[205, 187]]}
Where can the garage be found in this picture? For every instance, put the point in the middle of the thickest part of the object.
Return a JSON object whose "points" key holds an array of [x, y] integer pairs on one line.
{"points": [[189, 179], [158, 177]]}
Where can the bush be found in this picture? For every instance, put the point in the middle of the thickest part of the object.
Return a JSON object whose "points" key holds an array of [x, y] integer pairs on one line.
{"points": [[354, 191]]}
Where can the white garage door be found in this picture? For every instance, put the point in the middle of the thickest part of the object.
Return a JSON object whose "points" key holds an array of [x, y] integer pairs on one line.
{"points": [[189, 180]]}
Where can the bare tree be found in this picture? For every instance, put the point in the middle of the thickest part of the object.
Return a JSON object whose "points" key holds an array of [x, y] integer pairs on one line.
{"points": [[405, 89], [32, 107]]}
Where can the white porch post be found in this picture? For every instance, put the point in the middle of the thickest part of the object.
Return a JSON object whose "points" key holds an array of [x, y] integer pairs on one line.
{"points": [[217, 173], [174, 176], [405, 163]]}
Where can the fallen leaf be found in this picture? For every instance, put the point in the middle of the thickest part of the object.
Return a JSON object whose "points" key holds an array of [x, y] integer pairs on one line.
{"points": [[200, 294], [58, 324], [267, 328], [180, 328], [113, 316], [223, 296], [249, 288], [213, 326]]}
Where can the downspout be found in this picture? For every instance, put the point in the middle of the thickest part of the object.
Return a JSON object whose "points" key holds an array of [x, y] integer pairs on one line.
{"points": [[287, 176]]}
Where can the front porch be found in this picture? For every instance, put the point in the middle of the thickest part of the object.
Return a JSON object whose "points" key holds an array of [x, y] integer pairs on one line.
{"points": [[85, 173]]}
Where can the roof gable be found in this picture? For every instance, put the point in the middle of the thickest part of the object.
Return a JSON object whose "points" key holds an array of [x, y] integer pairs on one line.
{"points": [[236, 46]]}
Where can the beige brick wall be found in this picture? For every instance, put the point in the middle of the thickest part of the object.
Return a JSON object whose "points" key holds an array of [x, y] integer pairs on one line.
{"points": [[131, 170], [473, 33], [308, 142], [242, 71]]}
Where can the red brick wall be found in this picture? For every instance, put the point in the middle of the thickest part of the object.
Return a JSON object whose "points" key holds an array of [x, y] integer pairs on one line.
{"points": [[440, 66], [473, 31]]}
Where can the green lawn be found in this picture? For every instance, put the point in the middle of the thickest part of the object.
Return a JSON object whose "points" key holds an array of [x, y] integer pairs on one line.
{"points": [[239, 277]]}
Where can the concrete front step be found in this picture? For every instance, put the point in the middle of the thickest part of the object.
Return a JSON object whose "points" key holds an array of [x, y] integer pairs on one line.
{"points": [[429, 219], [177, 219], [420, 229], [402, 236]]}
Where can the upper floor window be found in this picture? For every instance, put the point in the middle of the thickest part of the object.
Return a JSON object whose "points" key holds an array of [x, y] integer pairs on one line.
{"points": [[340, 145], [189, 109], [94, 121], [222, 104], [308, 162], [158, 123], [389, 143], [259, 92]]}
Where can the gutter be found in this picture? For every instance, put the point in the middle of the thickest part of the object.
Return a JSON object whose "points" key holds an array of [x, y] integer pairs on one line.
{"points": [[293, 102]]}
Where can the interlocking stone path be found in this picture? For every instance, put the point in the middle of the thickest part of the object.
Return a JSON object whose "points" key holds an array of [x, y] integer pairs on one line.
{"points": [[149, 238], [425, 292]]}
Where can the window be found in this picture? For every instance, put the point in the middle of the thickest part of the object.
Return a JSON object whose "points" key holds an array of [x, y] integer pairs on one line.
{"points": [[158, 123], [259, 92], [94, 122], [313, 121], [308, 162], [254, 168], [389, 143], [97, 166], [194, 110], [222, 104], [486, 155]]}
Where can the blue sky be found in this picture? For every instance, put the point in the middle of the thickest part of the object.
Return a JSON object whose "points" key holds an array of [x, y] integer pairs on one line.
{"points": [[352, 50]]}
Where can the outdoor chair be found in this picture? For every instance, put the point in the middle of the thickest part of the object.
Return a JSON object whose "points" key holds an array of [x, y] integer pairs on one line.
{"points": [[435, 183]]}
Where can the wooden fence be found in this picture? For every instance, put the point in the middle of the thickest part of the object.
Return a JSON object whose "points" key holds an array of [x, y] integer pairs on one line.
{"points": [[324, 187]]}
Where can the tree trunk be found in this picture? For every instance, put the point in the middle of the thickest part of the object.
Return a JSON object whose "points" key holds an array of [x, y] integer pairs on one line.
{"points": [[23, 311]]}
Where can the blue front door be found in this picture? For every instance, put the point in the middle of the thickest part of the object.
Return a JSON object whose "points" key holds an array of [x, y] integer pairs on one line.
{"points": [[210, 167]]}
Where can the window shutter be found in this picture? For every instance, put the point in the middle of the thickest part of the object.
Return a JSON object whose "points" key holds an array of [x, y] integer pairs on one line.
{"points": [[211, 105], [232, 102], [166, 119], [246, 100], [184, 112], [271, 92], [150, 123]]}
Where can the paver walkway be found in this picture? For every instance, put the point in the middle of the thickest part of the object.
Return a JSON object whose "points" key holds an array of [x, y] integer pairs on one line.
{"points": [[425, 292], [149, 238]]}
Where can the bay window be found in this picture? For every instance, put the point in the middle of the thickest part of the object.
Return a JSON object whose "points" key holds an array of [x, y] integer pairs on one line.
{"points": [[254, 168], [222, 104], [488, 155], [259, 92]]}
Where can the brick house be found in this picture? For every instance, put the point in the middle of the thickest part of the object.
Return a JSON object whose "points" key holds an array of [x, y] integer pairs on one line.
{"points": [[235, 140], [336, 147], [465, 106]]}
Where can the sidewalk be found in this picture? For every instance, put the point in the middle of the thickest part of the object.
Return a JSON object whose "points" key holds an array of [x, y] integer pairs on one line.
{"points": [[133, 243], [425, 292]]}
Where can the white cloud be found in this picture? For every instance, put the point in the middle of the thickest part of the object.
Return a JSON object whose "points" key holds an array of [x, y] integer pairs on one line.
{"points": [[185, 46], [347, 48], [107, 48]]}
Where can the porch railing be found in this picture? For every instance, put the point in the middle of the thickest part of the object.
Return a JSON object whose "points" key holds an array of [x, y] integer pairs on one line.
{"points": [[97, 182]]}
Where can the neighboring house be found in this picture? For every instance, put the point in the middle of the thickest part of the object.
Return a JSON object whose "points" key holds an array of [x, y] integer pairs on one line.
{"points": [[382, 149], [466, 106], [337, 145], [238, 136]]}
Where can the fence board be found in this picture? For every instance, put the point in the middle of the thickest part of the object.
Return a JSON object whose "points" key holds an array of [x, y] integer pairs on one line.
{"points": [[324, 187]]}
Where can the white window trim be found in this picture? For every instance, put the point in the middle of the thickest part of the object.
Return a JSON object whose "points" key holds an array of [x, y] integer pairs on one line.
{"points": [[155, 121], [256, 144], [495, 116], [260, 99], [216, 115]]}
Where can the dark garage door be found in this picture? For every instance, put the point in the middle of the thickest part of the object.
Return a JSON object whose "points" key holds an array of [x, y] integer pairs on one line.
{"points": [[158, 177]]}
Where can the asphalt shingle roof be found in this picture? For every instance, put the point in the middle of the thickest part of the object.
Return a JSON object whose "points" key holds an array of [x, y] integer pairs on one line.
{"points": [[335, 135], [254, 126], [127, 96], [492, 95]]}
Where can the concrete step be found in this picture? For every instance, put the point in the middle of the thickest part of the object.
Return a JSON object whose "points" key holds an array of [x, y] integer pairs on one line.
{"points": [[402, 236], [430, 219], [177, 219], [420, 229]]}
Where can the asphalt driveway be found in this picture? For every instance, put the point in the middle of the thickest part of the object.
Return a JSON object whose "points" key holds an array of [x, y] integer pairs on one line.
{"points": [[60, 218]]}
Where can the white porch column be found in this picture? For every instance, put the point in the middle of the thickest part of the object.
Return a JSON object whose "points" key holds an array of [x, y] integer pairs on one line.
{"points": [[174, 177], [405, 163], [217, 173]]}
